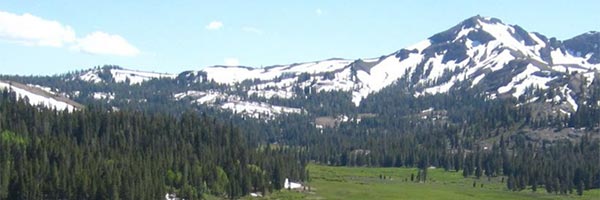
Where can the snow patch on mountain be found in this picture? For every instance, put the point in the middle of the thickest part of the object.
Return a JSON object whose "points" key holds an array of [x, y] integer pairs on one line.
{"points": [[120, 75], [386, 73], [523, 80], [231, 75], [234, 103], [560, 57], [36, 98], [284, 94], [91, 76], [136, 77], [258, 109], [590, 77], [439, 89], [103, 96], [477, 79], [205, 97], [571, 101]]}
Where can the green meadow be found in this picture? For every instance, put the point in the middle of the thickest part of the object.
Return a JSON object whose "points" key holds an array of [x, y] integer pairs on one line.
{"points": [[367, 183]]}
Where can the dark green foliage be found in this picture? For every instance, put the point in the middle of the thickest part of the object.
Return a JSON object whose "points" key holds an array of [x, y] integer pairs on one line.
{"points": [[94, 154]]}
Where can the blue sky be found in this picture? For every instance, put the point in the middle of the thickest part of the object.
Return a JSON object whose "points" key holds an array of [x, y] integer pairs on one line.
{"points": [[52, 37]]}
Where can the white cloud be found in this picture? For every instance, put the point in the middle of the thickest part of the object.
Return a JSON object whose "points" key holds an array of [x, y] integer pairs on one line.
{"points": [[27, 29], [319, 12], [214, 25], [254, 30], [232, 62], [31, 30], [107, 44]]}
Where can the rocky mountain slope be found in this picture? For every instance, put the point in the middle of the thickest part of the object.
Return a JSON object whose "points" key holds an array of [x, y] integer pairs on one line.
{"points": [[484, 54], [503, 60]]}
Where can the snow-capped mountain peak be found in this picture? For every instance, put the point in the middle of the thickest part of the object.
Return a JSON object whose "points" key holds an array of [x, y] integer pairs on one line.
{"points": [[502, 60], [486, 56]]}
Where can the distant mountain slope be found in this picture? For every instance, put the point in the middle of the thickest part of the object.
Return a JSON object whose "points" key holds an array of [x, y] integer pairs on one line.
{"points": [[505, 60], [482, 54], [39, 96], [119, 75]]}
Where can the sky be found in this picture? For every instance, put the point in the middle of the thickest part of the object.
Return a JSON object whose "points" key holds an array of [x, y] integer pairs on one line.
{"points": [[41, 37]]}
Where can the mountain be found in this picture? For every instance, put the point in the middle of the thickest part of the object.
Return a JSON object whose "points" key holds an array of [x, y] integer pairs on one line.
{"points": [[502, 60], [482, 54], [484, 98]]}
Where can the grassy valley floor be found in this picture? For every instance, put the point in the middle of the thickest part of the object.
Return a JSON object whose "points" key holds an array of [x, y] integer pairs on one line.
{"points": [[365, 183]]}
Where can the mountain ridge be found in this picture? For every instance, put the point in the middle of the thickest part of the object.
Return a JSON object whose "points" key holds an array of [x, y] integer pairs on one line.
{"points": [[483, 53], [504, 43]]}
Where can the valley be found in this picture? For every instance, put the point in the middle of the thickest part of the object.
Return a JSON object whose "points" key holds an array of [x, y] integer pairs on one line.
{"points": [[366, 183], [481, 110]]}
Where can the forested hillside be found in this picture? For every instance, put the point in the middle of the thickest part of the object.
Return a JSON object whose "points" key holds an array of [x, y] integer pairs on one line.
{"points": [[459, 130], [97, 154], [466, 132]]}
